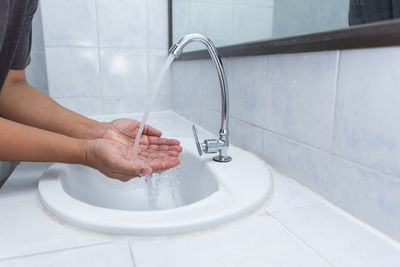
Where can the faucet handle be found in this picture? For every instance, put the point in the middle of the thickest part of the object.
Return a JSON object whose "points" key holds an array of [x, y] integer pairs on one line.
{"points": [[196, 139]]}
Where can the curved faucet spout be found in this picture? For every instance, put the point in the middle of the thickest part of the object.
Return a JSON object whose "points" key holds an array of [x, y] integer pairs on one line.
{"points": [[223, 143]]}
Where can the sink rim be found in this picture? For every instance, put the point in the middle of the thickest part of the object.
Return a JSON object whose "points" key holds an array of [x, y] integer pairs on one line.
{"points": [[232, 200]]}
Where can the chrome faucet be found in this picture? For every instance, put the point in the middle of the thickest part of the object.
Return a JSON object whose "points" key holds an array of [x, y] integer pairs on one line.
{"points": [[211, 145]]}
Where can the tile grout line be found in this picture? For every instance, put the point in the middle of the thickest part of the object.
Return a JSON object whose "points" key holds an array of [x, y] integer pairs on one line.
{"points": [[358, 164], [332, 122], [305, 244], [99, 64], [234, 10], [334, 100], [302, 186], [322, 201], [131, 253], [349, 217], [265, 102], [308, 145], [45, 50], [364, 225], [148, 52], [56, 251]]}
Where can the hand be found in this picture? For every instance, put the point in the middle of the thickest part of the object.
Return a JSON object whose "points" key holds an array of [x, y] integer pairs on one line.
{"points": [[116, 160], [124, 131]]}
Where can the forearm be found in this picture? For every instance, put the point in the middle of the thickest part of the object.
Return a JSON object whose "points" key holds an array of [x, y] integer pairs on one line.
{"points": [[24, 143], [24, 104]]}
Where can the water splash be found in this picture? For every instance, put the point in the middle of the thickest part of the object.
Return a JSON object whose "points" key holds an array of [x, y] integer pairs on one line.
{"points": [[162, 189], [155, 87], [151, 193]]}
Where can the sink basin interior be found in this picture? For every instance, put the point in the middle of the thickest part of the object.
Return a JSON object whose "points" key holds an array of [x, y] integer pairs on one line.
{"points": [[190, 183], [200, 194]]}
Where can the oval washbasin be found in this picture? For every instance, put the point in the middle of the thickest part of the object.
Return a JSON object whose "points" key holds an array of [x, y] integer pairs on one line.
{"points": [[173, 188], [199, 194]]}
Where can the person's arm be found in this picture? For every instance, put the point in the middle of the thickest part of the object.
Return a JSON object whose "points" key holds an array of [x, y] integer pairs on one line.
{"points": [[19, 142], [65, 136], [22, 103]]}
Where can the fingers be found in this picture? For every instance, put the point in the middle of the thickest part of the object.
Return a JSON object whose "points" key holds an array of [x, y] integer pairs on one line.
{"points": [[141, 168], [159, 162], [120, 176], [163, 141], [164, 163], [144, 168], [126, 169], [148, 130], [171, 152], [153, 154], [164, 148]]}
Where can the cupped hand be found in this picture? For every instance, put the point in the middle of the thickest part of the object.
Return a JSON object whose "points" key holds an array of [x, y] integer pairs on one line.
{"points": [[124, 131], [116, 160]]}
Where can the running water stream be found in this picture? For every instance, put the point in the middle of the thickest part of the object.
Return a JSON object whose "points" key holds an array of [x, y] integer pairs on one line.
{"points": [[155, 87], [153, 190]]}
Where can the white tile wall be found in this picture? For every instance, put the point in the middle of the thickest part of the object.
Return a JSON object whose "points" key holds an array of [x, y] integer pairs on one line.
{"points": [[300, 94], [73, 71], [158, 28], [331, 122], [123, 71], [69, 23], [367, 128], [224, 21], [155, 61], [122, 23], [36, 72], [123, 104], [247, 84], [245, 135], [304, 163], [211, 120], [106, 52], [83, 105], [210, 86], [289, 195], [190, 82], [368, 194]]}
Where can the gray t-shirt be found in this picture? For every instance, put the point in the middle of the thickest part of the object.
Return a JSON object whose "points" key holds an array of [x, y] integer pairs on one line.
{"points": [[368, 11], [15, 46], [15, 35]]}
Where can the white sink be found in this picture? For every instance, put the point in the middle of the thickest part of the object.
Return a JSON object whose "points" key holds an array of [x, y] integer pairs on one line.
{"points": [[204, 194]]}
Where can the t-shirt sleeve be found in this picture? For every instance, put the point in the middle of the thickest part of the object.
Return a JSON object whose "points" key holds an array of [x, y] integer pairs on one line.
{"points": [[22, 56], [355, 13]]}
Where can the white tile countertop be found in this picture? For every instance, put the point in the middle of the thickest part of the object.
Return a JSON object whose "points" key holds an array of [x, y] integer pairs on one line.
{"points": [[298, 228]]}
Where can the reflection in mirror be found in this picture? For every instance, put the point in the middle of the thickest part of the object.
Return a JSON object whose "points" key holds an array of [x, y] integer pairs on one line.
{"points": [[229, 22], [368, 11]]}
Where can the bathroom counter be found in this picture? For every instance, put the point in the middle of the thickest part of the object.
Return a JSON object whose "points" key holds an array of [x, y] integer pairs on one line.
{"points": [[298, 228]]}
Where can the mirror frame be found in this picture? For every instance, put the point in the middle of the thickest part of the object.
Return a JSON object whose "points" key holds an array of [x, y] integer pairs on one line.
{"points": [[370, 35]]}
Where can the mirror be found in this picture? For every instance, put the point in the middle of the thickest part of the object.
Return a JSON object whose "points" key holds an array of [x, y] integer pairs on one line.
{"points": [[229, 22]]}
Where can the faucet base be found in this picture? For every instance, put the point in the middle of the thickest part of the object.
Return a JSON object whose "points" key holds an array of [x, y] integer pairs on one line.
{"points": [[222, 158]]}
